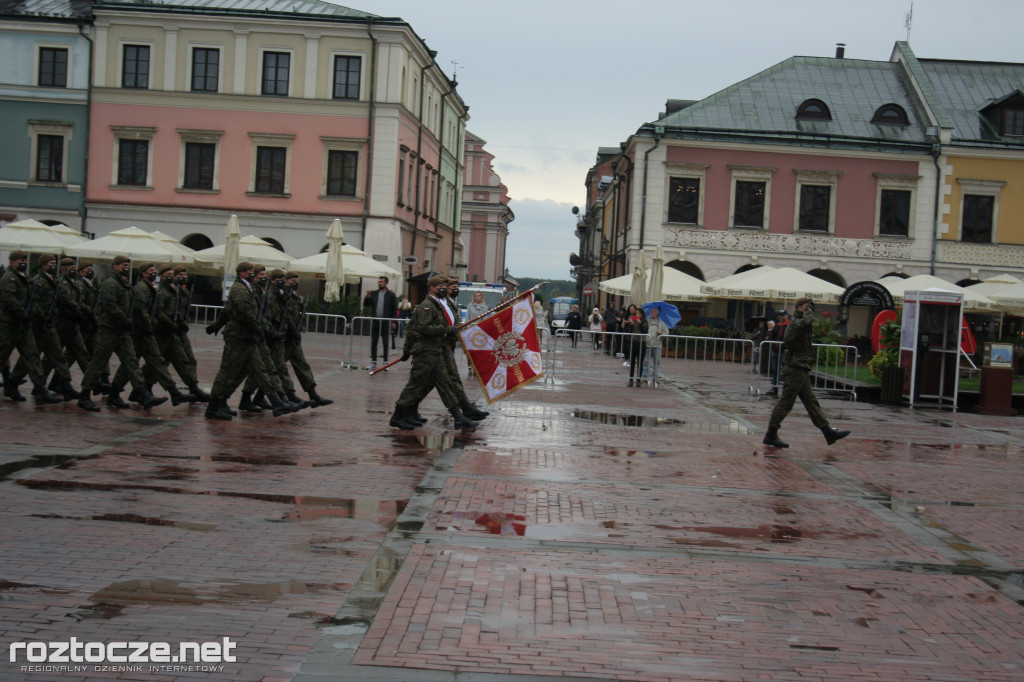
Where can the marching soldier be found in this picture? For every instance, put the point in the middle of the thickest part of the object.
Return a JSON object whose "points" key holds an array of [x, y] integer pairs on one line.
{"points": [[116, 310], [454, 378], [16, 304], [87, 325], [241, 354], [169, 331], [142, 333], [70, 311], [44, 327], [261, 289], [293, 314], [275, 328], [184, 299], [433, 333]]}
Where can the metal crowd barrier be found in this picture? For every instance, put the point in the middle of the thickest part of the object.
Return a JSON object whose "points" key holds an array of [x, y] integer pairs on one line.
{"points": [[835, 368]]}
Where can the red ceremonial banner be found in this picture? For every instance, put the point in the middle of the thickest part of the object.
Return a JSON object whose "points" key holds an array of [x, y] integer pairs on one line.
{"points": [[504, 349]]}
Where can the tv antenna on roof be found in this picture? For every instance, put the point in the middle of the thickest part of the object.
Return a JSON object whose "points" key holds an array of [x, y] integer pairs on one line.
{"points": [[908, 19], [455, 70]]}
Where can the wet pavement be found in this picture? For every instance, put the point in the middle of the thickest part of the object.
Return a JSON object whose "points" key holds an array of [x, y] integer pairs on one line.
{"points": [[586, 530]]}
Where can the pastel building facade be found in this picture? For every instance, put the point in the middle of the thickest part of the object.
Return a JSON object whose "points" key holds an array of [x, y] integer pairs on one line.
{"points": [[485, 215], [847, 169], [44, 85], [287, 115]]}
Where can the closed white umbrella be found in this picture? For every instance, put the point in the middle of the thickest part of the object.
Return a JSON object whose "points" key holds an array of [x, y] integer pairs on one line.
{"points": [[334, 271], [132, 242], [230, 256], [638, 289], [36, 237], [250, 248], [676, 286], [357, 265], [657, 276]]}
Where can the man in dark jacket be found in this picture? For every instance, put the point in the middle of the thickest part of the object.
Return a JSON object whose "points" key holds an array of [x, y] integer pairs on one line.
{"points": [[611, 325], [382, 304], [798, 345]]}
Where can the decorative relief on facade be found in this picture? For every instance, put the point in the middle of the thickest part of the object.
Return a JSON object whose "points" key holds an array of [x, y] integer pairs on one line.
{"points": [[989, 255], [763, 242]]}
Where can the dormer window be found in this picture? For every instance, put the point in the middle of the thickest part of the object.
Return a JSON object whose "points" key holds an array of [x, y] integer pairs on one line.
{"points": [[1013, 121], [813, 110], [891, 114]]}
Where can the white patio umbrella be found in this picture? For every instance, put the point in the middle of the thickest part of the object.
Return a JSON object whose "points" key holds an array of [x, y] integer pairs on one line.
{"points": [[194, 267], [676, 286], [36, 237], [990, 285], [232, 235], [638, 289], [973, 301], [657, 276], [357, 265], [1010, 298], [250, 248], [774, 284], [132, 242], [334, 273]]}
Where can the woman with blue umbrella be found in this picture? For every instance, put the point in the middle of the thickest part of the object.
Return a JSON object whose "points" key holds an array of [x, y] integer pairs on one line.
{"points": [[661, 317]]}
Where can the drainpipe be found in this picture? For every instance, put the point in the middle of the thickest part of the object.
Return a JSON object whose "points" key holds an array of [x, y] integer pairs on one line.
{"points": [[936, 153], [88, 123], [419, 158], [658, 132], [369, 128], [440, 168]]}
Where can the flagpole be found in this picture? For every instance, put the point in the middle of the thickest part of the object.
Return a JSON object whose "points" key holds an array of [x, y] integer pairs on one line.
{"points": [[502, 305], [381, 369]]}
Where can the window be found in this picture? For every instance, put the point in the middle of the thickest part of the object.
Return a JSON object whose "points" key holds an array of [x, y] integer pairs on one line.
{"points": [[684, 200], [815, 200], [199, 165], [205, 69], [979, 210], [814, 207], [749, 206], [276, 66], [1013, 121], [976, 224], [341, 173], [894, 213], [401, 178], [135, 67], [53, 67], [50, 158], [133, 157], [813, 110], [890, 114], [346, 77], [270, 170], [132, 162]]}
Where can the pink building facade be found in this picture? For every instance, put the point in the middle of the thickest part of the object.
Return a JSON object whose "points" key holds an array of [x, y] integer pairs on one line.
{"points": [[485, 215]]}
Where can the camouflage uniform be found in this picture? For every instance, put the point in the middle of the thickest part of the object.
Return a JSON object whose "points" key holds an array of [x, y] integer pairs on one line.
{"points": [[113, 324], [241, 352], [142, 329], [429, 335], [265, 299], [169, 332], [71, 310], [87, 324], [184, 303], [796, 380], [293, 352], [44, 310], [16, 330]]}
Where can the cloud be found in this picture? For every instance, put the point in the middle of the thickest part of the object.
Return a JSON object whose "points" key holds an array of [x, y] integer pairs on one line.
{"points": [[543, 239]]}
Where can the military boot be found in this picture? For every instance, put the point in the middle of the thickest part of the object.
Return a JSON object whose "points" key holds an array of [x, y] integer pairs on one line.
{"points": [[12, 392], [86, 404], [315, 399], [461, 421], [44, 396], [471, 410], [114, 400], [199, 395], [68, 391], [261, 401], [218, 409], [177, 397], [772, 438], [399, 420], [832, 435], [278, 406], [414, 416], [247, 405], [104, 385], [296, 400], [148, 400]]}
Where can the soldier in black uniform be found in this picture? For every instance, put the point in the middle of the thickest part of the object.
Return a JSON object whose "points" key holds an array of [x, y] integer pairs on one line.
{"points": [[16, 332]]}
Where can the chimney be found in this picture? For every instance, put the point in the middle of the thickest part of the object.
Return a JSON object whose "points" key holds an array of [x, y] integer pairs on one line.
{"points": [[840, 50]]}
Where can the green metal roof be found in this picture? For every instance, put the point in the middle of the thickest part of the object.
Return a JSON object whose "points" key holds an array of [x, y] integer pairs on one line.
{"points": [[965, 88], [47, 9], [245, 7], [767, 102]]}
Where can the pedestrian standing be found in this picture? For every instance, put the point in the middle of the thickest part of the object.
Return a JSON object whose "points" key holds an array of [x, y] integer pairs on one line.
{"points": [[574, 322], [383, 305], [656, 328], [635, 325], [611, 325], [595, 323], [798, 345]]}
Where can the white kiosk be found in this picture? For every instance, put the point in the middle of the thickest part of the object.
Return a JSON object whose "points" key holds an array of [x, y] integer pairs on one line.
{"points": [[930, 346]]}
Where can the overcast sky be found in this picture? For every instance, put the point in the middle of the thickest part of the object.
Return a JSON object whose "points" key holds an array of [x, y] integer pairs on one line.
{"points": [[550, 81]]}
